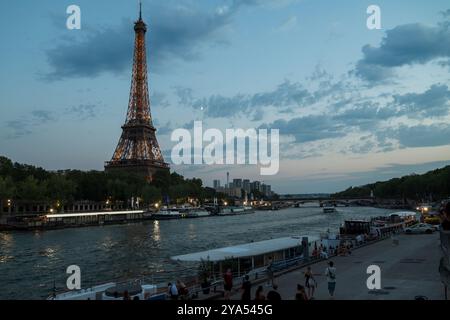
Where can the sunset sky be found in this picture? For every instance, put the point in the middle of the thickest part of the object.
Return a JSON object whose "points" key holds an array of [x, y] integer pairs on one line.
{"points": [[353, 105]]}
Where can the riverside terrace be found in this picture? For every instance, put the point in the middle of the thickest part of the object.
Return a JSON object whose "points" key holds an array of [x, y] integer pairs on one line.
{"points": [[408, 269]]}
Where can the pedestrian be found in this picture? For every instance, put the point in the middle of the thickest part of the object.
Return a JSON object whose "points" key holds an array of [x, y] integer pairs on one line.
{"points": [[310, 282], [273, 294], [182, 289], [301, 293], [227, 284], [246, 289], [173, 291], [330, 272], [259, 296], [126, 295], [445, 216], [269, 271]]}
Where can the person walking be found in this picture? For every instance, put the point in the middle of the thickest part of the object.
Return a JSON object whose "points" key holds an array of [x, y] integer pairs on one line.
{"points": [[227, 284], [330, 272], [310, 282], [173, 291], [259, 296], [246, 289], [301, 293]]}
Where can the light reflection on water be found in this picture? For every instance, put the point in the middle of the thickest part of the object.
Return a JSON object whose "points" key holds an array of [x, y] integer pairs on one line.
{"points": [[31, 262]]}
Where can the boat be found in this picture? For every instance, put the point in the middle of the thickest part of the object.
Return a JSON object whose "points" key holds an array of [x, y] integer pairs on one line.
{"points": [[378, 226], [74, 219], [329, 210], [225, 212], [168, 214], [112, 291], [197, 213], [252, 258]]}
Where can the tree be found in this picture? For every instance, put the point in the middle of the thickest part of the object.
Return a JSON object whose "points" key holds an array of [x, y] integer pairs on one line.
{"points": [[59, 188], [150, 194], [31, 189], [7, 188]]}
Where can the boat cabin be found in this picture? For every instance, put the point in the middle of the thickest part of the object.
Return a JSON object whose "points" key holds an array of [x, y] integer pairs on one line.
{"points": [[254, 256]]}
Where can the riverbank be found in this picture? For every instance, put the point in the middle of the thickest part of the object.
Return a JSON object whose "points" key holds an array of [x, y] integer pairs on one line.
{"points": [[408, 269]]}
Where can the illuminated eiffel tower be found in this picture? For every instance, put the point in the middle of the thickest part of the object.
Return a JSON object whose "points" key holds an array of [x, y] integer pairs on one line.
{"points": [[138, 150]]}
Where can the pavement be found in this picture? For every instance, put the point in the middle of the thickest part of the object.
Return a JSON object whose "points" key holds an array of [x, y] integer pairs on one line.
{"points": [[408, 269]]}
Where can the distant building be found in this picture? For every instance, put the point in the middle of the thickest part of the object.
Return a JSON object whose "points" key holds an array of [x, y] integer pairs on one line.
{"points": [[255, 186], [237, 183], [231, 192], [266, 190], [216, 184], [246, 186]]}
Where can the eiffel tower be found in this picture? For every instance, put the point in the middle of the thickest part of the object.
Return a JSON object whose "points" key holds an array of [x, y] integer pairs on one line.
{"points": [[138, 150]]}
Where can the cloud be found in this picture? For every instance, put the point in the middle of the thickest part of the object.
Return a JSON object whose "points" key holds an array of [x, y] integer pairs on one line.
{"points": [[83, 111], [432, 102], [176, 31], [17, 129], [217, 106], [288, 25], [403, 45], [159, 100], [310, 128], [420, 135], [25, 125], [365, 115], [43, 115]]}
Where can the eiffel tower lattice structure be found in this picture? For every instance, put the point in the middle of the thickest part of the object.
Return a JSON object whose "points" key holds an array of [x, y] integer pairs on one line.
{"points": [[138, 149]]}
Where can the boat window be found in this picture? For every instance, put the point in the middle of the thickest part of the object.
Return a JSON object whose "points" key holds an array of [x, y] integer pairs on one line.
{"points": [[259, 261]]}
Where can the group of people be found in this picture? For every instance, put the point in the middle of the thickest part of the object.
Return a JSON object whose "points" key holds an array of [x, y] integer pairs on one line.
{"points": [[304, 292], [177, 290], [324, 253], [311, 283], [272, 295]]}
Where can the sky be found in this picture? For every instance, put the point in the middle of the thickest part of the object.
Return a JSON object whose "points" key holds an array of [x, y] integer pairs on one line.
{"points": [[352, 105]]}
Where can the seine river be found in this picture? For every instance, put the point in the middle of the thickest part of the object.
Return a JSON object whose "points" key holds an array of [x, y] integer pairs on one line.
{"points": [[31, 263]]}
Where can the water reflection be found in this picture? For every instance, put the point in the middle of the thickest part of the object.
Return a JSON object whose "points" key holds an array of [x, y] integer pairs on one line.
{"points": [[156, 235]]}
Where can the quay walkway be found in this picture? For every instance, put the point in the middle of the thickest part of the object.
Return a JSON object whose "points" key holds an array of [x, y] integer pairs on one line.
{"points": [[408, 269]]}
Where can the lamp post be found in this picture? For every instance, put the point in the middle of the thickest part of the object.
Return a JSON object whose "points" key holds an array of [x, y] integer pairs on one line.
{"points": [[9, 205]]}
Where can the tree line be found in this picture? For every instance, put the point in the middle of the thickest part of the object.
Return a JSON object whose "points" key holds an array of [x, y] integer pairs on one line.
{"points": [[431, 186], [30, 183]]}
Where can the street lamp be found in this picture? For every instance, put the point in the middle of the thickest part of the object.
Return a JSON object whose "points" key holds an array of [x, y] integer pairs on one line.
{"points": [[9, 202]]}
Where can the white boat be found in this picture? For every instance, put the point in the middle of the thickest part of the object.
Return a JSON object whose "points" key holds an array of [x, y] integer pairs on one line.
{"points": [[197, 213], [111, 291], [167, 213], [329, 210], [225, 212], [252, 258]]}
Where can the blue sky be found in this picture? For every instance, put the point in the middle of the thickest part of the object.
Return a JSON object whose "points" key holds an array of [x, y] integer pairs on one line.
{"points": [[352, 105]]}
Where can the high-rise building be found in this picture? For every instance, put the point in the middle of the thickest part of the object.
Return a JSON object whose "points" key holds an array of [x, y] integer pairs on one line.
{"points": [[255, 186], [216, 184], [237, 183], [246, 185]]}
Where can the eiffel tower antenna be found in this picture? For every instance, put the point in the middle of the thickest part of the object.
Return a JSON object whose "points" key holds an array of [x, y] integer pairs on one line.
{"points": [[140, 10]]}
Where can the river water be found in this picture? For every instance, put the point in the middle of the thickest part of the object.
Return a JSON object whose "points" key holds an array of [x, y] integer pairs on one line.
{"points": [[31, 263]]}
